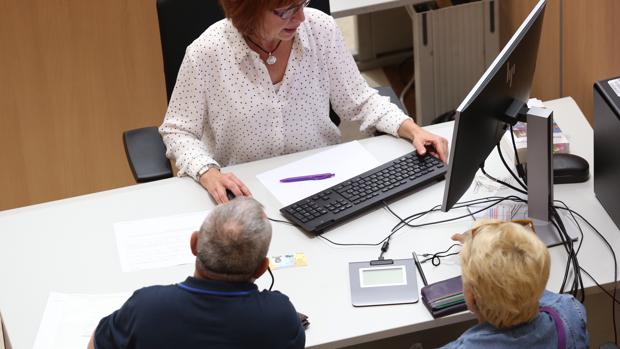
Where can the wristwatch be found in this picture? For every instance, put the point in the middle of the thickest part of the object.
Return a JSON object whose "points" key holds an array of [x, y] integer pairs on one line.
{"points": [[207, 168]]}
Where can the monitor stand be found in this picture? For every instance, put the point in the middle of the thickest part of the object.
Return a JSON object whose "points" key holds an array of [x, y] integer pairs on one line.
{"points": [[540, 177]]}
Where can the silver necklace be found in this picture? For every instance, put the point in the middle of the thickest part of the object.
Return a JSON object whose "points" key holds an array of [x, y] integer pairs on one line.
{"points": [[271, 59]]}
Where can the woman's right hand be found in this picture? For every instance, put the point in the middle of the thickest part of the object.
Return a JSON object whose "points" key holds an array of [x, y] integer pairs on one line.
{"points": [[216, 184]]}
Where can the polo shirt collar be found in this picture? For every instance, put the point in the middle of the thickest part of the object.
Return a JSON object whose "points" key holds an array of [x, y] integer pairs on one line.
{"points": [[241, 50], [196, 285]]}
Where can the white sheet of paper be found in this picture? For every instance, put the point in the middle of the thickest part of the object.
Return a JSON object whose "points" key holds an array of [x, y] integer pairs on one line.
{"points": [[157, 242], [345, 160], [70, 319]]}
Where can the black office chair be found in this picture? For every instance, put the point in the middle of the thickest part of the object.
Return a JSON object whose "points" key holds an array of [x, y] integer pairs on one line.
{"points": [[180, 23]]}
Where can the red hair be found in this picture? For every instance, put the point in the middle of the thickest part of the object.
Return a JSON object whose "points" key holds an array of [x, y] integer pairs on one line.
{"points": [[247, 15]]}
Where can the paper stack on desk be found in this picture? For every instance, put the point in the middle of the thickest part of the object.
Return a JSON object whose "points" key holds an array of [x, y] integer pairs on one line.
{"points": [[70, 319], [444, 297], [158, 242]]}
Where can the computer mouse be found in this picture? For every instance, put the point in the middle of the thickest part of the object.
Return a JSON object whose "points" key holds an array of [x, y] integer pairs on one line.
{"points": [[570, 168], [229, 194]]}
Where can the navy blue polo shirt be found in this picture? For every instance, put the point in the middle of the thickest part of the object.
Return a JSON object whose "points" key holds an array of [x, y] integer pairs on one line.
{"points": [[202, 313]]}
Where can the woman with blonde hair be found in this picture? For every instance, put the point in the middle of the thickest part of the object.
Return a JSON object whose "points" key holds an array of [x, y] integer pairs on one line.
{"points": [[505, 268]]}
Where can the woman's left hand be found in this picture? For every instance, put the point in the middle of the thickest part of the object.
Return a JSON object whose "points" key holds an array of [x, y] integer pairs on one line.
{"points": [[423, 140]]}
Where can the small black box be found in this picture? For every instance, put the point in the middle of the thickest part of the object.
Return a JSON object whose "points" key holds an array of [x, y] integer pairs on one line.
{"points": [[607, 145]]}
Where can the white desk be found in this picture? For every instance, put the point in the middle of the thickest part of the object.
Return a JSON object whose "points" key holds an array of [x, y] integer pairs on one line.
{"points": [[69, 246], [343, 8]]}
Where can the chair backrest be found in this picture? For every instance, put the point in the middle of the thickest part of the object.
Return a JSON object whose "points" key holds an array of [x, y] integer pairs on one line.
{"points": [[182, 21]]}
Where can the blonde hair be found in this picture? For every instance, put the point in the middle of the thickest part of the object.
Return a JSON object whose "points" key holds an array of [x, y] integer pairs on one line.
{"points": [[506, 267]]}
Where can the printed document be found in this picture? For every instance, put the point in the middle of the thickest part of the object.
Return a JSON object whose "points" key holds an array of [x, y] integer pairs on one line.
{"points": [[70, 319], [157, 242]]}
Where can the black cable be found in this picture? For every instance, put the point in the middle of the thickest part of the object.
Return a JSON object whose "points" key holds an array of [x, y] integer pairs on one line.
{"points": [[577, 284], [279, 221], [502, 182], [384, 248], [501, 156], [568, 261], [599, 286], [574, 220], [387, 207], [613, 308], [520, 170], [577, 279], [435, 258], [406, 221], [273, 279], [495, 200], [350, 244]]}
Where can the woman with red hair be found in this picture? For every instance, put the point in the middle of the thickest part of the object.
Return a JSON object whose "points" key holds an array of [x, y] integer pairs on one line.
{"points": [[260, 83]]}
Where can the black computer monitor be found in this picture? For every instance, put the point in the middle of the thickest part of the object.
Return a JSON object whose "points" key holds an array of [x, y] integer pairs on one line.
{"points": [[498, 100], [491, 105]]}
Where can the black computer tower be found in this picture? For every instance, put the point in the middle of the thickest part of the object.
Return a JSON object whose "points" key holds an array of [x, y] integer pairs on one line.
{"points": [[607, 145]]}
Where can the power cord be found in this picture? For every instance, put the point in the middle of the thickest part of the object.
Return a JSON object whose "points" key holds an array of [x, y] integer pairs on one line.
{"points": [[577, 285], [501, 156], [613, 297], [520, 169]]}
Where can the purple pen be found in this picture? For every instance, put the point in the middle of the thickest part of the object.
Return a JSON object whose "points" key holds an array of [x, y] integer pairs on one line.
{"points": [[314, 177]]}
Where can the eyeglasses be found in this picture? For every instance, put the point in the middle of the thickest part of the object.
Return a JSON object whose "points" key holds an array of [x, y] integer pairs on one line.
{"points": [[527, 223], [286, 14]]}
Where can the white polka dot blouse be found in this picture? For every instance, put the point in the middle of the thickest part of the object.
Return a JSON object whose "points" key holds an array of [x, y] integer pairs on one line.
{"points": [[224, 109]]}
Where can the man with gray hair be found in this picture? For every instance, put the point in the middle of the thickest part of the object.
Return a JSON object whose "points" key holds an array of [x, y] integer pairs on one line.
{"points": [[220, 306]]}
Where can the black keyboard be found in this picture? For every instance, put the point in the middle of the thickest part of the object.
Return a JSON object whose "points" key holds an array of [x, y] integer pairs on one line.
{"points": [[345, 200]]}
